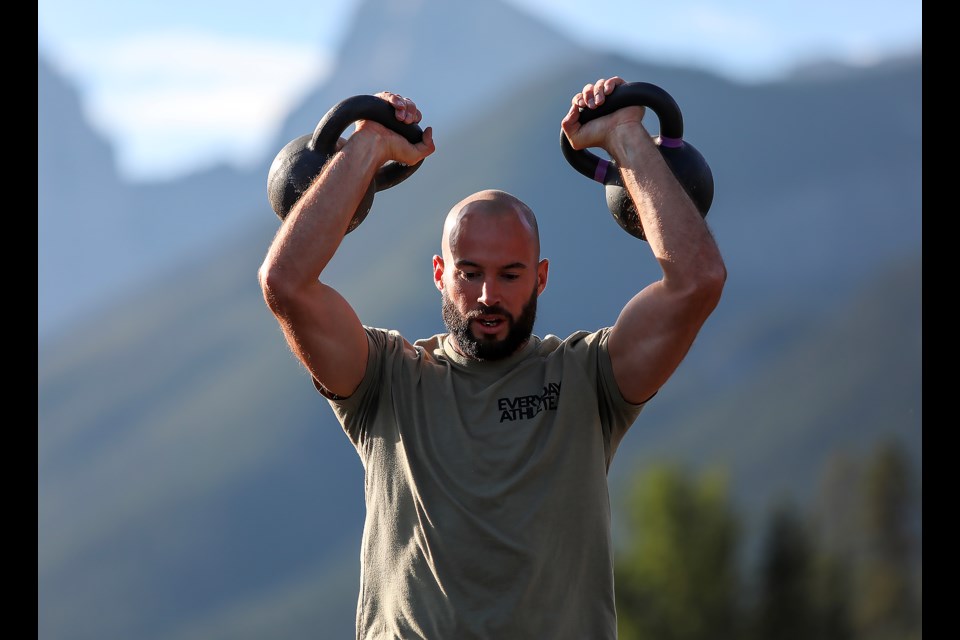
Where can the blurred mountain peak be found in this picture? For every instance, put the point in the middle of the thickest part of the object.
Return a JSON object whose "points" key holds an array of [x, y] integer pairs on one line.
{"points": [[452, 58], [831, 69]]}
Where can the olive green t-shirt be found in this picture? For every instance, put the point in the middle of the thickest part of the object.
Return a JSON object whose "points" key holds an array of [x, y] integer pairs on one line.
{"points": [[488, 515]]}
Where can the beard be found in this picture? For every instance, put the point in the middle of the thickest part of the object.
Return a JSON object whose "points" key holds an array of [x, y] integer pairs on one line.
{"points": [[488, 347]]}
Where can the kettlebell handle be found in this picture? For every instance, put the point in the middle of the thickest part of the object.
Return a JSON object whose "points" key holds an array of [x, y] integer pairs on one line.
{"points": [[631, 94], [685, 162], [302, 159], [366, 107]]}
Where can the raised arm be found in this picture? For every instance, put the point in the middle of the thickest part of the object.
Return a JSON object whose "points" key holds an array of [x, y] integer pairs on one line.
{"points": [[320, 326], [657, 327]]}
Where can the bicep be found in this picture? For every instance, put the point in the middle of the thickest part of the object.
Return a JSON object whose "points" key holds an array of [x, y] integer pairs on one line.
{"points": [[651, 337], [325, 334]]}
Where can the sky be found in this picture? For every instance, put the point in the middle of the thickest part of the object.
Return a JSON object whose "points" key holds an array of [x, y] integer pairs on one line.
{"points": [[135, 62]]}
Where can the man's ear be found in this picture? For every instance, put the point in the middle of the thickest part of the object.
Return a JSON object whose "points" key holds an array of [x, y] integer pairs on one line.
{"points": [[438, 272], [543, 268]]}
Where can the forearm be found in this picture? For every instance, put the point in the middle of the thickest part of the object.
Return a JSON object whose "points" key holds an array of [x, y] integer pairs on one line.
{"points": [[320, 327], [313, 230], [657, 327], [675, 230]]}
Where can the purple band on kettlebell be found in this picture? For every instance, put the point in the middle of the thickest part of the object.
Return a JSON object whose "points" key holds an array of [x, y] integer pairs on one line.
{"points": [[600, 173], [672, 143]]}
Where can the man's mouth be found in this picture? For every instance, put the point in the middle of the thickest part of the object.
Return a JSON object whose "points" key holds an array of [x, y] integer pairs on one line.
{"points": [[489, 323]]}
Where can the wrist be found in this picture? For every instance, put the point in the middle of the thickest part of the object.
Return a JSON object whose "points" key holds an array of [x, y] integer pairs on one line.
{"points": [[369, 145], [629, 144]]}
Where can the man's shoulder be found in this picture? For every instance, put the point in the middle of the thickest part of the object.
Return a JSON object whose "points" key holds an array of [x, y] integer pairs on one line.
{"points": [[431, 344], [392, 339], [550, 342]]}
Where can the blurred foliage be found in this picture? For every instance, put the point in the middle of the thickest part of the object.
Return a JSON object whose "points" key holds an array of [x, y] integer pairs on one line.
{"points": [[847, 569], [678, 579], [888, 606], [802, 593]]}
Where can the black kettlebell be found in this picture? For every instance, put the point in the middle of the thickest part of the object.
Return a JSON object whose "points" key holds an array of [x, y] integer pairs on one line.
{"points": [[687, 164], [300, 161]]}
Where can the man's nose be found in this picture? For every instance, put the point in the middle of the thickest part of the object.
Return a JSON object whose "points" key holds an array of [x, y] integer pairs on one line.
{"points": [[489, 293]]}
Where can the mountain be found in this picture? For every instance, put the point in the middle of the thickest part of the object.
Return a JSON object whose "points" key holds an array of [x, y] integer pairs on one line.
{"points": [[191, 483], [450, 63], [79, 195], [99, 239]]}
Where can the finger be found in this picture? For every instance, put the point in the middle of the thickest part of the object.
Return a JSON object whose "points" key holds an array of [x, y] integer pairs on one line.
{"points": [[395, 101], [587, 96], [597, 95], [423, 148], [398, 103], [413, 113], [428, 139], [404, 110], [570, 120], [613, 83]]}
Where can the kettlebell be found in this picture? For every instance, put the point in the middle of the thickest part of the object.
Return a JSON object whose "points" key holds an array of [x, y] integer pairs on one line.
{"points": [[300, 161], [686, 163]]}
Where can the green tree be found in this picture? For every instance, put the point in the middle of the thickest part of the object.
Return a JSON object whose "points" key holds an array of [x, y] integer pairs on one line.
{"points": [[832, 598], [678, 577], [802, 591], [837, 505], [867, 519], [888, 606], [784, 605], [835, 532]]}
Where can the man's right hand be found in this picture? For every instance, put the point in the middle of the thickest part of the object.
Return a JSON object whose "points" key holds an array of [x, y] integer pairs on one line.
{"points": [[392, 146], [602, 132]]}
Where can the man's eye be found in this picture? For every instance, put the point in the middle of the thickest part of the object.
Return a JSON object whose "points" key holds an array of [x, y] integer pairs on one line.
{"points": [[511, 276], [470, 275]]}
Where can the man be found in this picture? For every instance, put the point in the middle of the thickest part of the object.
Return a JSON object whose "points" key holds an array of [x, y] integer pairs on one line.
{"points": [[486, 449]]}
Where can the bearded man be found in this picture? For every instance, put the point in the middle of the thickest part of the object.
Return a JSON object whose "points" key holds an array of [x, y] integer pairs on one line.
{"points": [[486, 449]]}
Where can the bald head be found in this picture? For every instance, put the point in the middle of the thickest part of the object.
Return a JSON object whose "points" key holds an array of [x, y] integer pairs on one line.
{"points": [[490, 274], [490, 203]]}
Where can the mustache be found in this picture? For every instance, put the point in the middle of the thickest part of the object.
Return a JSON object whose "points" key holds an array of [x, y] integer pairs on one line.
{"points": [[483, 310]]}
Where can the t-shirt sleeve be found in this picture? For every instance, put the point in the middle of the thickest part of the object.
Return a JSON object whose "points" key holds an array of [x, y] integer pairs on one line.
{"points": [[617, 413], [358, 410]]}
